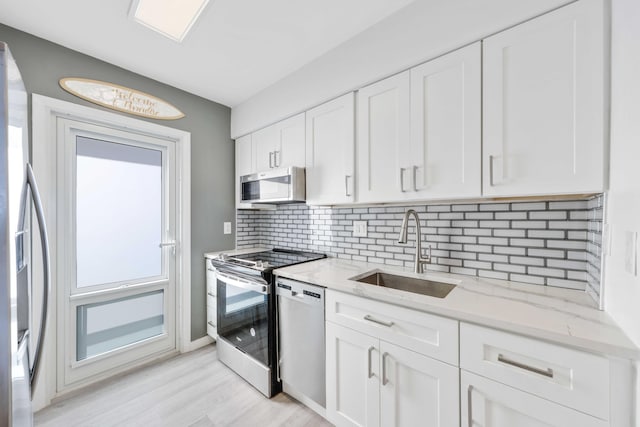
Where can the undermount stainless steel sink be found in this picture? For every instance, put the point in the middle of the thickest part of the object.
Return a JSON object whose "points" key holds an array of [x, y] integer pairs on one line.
{"points": [[408, 284]]}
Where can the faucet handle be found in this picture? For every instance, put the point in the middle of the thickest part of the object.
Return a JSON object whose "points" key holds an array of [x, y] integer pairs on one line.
{"points": [[428, 257]]}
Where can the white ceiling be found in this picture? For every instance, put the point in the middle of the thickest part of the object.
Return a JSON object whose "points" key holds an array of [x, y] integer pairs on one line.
{"points": [[236, 49]]}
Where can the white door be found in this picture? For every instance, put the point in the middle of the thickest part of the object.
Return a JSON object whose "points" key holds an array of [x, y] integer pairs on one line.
{"points": [[445, 158], [383, 140], [116, 230], [353, 372], [487, 403], [543, 112], [330, 147], [417, 390]]}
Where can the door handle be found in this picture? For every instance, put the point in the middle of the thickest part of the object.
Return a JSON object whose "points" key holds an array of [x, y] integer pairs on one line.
{"points": [[415, 178], [276, 162], [369, 350], [46, 269], [470, 406], [384, 368], [271, 159], [171, 244], [346, 185], [402, 180]]}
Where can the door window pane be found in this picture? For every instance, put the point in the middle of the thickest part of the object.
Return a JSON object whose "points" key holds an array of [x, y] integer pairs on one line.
{"points": [[106, 326], [119, 212]]}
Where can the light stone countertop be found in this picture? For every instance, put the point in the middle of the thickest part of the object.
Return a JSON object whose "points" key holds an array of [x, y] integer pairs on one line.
{"points": [[562, 316]]}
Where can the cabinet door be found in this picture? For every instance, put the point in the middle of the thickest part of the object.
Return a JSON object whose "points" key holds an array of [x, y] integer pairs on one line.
{"points": [[543, 112], [488, 403], [290, 147], [280, 145], [353, 370], [417, 390], [244, 165], [265, 144], [383, 140], [445, 158], [330, 147]]}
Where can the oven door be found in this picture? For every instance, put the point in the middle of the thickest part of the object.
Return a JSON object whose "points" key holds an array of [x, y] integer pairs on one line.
{"points": [[243, 312]]}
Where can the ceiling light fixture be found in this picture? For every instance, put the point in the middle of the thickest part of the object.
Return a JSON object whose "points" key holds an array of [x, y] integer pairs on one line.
{"points": [[171, 18]]}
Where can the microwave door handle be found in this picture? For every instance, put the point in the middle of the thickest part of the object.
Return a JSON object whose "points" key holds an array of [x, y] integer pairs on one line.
{"points": [[46, 273]]}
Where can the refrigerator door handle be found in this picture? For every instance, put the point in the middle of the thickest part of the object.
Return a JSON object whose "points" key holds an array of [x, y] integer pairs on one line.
{"points": [[46, 275]]}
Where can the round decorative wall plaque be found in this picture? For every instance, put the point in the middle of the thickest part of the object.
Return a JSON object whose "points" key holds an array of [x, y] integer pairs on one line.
{"points": [[120, 98]]}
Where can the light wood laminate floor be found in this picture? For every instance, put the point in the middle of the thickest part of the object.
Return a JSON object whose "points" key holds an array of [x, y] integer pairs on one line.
{"points": [[190, 390]]}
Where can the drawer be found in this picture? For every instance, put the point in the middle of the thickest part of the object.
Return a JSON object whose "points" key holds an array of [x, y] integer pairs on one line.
{"points": [[211, 320], [424, 333], [569, 377], [211, 282]]}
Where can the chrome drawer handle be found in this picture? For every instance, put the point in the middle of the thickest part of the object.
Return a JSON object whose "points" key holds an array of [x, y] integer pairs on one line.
{"points": [[402, 180], [379, 322], [544, 372]]}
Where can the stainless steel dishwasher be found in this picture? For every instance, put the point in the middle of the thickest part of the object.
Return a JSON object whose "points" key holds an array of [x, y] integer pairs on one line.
{"points": [[301, 342]]}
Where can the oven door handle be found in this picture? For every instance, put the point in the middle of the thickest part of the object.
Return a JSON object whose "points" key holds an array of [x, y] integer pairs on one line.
{"points": [[243, 283]]}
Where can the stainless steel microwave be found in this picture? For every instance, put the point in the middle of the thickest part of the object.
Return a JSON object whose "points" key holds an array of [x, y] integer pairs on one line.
{"points": [[284, 185]]}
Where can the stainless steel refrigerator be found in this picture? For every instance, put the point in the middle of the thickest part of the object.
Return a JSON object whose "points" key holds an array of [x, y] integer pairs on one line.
{"points": [[20, 341]]}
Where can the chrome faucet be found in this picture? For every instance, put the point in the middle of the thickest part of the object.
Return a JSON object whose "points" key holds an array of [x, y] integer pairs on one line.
{"points": [[420, 261]]}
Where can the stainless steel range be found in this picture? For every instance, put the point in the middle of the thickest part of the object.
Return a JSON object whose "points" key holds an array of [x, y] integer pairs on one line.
{"points": [[246, 313]]}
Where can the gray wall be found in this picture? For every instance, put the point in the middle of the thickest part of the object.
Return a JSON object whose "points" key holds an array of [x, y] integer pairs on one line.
{"points": [[43, 63]]}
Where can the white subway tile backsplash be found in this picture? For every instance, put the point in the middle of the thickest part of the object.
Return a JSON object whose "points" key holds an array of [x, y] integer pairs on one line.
{"points": [[554, 243]]}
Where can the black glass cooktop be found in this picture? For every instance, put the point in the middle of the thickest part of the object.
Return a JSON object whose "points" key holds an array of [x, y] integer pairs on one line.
{"points": [[276, 258]]}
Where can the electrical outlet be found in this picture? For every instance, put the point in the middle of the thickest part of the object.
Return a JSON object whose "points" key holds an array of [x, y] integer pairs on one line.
{"points": [[630, 252], [227, 228], [359, 228]]}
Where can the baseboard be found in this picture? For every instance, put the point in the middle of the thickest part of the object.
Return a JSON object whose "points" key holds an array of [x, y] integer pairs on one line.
{"points": [[199, 343]]}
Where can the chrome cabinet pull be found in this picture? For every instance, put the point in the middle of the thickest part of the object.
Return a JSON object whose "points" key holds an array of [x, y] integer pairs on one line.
{"points": [[491, 184], [544, 372], [346, 185], [402, 180], [369, 373], [271, 156], [470, 405], [384, 368], [276, 162], [415, 178], [379, 322]]}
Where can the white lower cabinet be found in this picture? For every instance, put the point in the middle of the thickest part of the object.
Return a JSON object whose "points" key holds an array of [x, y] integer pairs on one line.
{"points": [[371, 382], [488, 403], [212, 302], [416, 389], [374, 382], [353, 370]]}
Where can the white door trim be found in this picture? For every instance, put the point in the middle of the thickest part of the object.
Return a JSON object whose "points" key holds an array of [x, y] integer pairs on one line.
{"points": [[45, 112]]}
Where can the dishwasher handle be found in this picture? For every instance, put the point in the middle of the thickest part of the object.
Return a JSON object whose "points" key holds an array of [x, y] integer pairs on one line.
{"points": [[300, 292]]}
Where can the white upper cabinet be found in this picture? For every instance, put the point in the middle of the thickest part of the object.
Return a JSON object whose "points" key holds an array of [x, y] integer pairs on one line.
{"points": [[330, 147], [383, 137], [543, 104], [445, 155], [419, 132], [280, 145], [244, 165]]}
